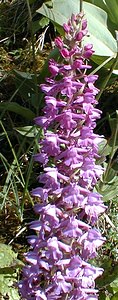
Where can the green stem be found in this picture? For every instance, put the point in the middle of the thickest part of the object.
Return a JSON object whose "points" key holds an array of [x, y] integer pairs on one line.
{"points": [[81, 5], [107, 77], [33, 51], [111, 154]]}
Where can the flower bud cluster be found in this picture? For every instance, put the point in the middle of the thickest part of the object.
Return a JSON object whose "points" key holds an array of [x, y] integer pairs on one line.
{"points": [[66, 238]]}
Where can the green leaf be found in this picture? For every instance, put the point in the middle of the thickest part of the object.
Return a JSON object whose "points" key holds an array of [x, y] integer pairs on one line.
{"points": [[43, 22], [110, 274], [102, 295], [38, 24], [36, 100], [18, 109], [99, 3], [29, 131], [25, 84], [49, 3], [113, 141], [113, 122], [112, 7], [115, 165], [7, 256], [7, 289], [109, 190], [104, 148], [100, 36], [114, 285], [9, 265], [108, 195], [111, 176], [99, 60], [24, 75], [115, 296]]}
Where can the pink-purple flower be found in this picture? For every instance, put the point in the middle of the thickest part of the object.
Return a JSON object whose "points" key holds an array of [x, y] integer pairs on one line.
{"points": [[58, 264]]}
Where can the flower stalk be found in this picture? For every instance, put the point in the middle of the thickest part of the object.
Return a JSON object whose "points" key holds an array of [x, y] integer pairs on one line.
{"points": [[81, 6], [68, 207]]}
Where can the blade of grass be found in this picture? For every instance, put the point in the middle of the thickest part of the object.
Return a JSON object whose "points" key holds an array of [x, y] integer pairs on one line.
{"points": [[16, 161], [33, 51], [29, 171], [13, 152], [10, 184]]}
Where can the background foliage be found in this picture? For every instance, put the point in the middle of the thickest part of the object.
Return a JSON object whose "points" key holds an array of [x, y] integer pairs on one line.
{"points": [[27, 30]]}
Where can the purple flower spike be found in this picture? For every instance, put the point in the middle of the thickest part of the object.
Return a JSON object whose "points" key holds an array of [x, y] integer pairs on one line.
{"points": [[66, 238]]}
